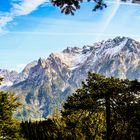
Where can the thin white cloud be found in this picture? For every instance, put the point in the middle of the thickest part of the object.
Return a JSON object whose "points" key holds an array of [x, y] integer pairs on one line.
{"points": [[21, 66], [26, 6], [109, 19], [61, 33], [4, 19], [19, 8]]}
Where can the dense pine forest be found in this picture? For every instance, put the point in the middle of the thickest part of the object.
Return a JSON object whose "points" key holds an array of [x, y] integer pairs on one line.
{"points": [[104, 108]]}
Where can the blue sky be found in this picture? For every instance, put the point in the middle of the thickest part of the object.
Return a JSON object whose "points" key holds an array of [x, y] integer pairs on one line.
{"points": [[30, 29]]}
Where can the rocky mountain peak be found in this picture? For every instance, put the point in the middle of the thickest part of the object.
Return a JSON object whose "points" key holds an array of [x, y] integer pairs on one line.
{"points": [[113, 47], [72, 50], [41, 62], [45, 84], [119, 39], [25, 72]]}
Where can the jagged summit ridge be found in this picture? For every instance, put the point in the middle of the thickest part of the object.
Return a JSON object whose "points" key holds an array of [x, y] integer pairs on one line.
{"points": [[73, 57]]}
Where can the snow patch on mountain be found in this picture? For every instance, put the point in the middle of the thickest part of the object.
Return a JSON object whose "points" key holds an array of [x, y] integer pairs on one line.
{"points": [[5, 85], [72, 59], [116, 49]]}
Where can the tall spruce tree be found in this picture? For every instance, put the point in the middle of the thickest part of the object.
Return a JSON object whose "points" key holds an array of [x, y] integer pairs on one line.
{"points": [[117, 100]]}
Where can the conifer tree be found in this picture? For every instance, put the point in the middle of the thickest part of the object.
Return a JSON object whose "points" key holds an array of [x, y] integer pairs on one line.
{"points": [[9, 128], [116, 99]]}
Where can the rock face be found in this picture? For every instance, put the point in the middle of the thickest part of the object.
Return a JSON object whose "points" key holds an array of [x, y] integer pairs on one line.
{"points": [[24, 74], [45, 84], [9, 78]]}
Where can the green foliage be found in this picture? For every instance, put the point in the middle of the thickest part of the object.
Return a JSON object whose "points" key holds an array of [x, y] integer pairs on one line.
{"points": [[9, 128], [70, 6], [117, 100], [42, 130], [84, 125]]}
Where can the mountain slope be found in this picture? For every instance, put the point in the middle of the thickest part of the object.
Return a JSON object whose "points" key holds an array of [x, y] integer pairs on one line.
{"points": [[9, 78], [49, 82]]}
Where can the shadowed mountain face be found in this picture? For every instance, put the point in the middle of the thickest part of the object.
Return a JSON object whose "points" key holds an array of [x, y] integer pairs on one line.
{"points": [[44, 84]]}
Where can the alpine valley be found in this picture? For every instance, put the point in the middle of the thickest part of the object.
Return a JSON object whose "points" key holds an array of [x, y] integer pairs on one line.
{"points": [[45, 84]]}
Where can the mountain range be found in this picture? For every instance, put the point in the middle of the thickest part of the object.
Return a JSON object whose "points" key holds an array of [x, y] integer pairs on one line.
{"points": [[44, 85]]}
